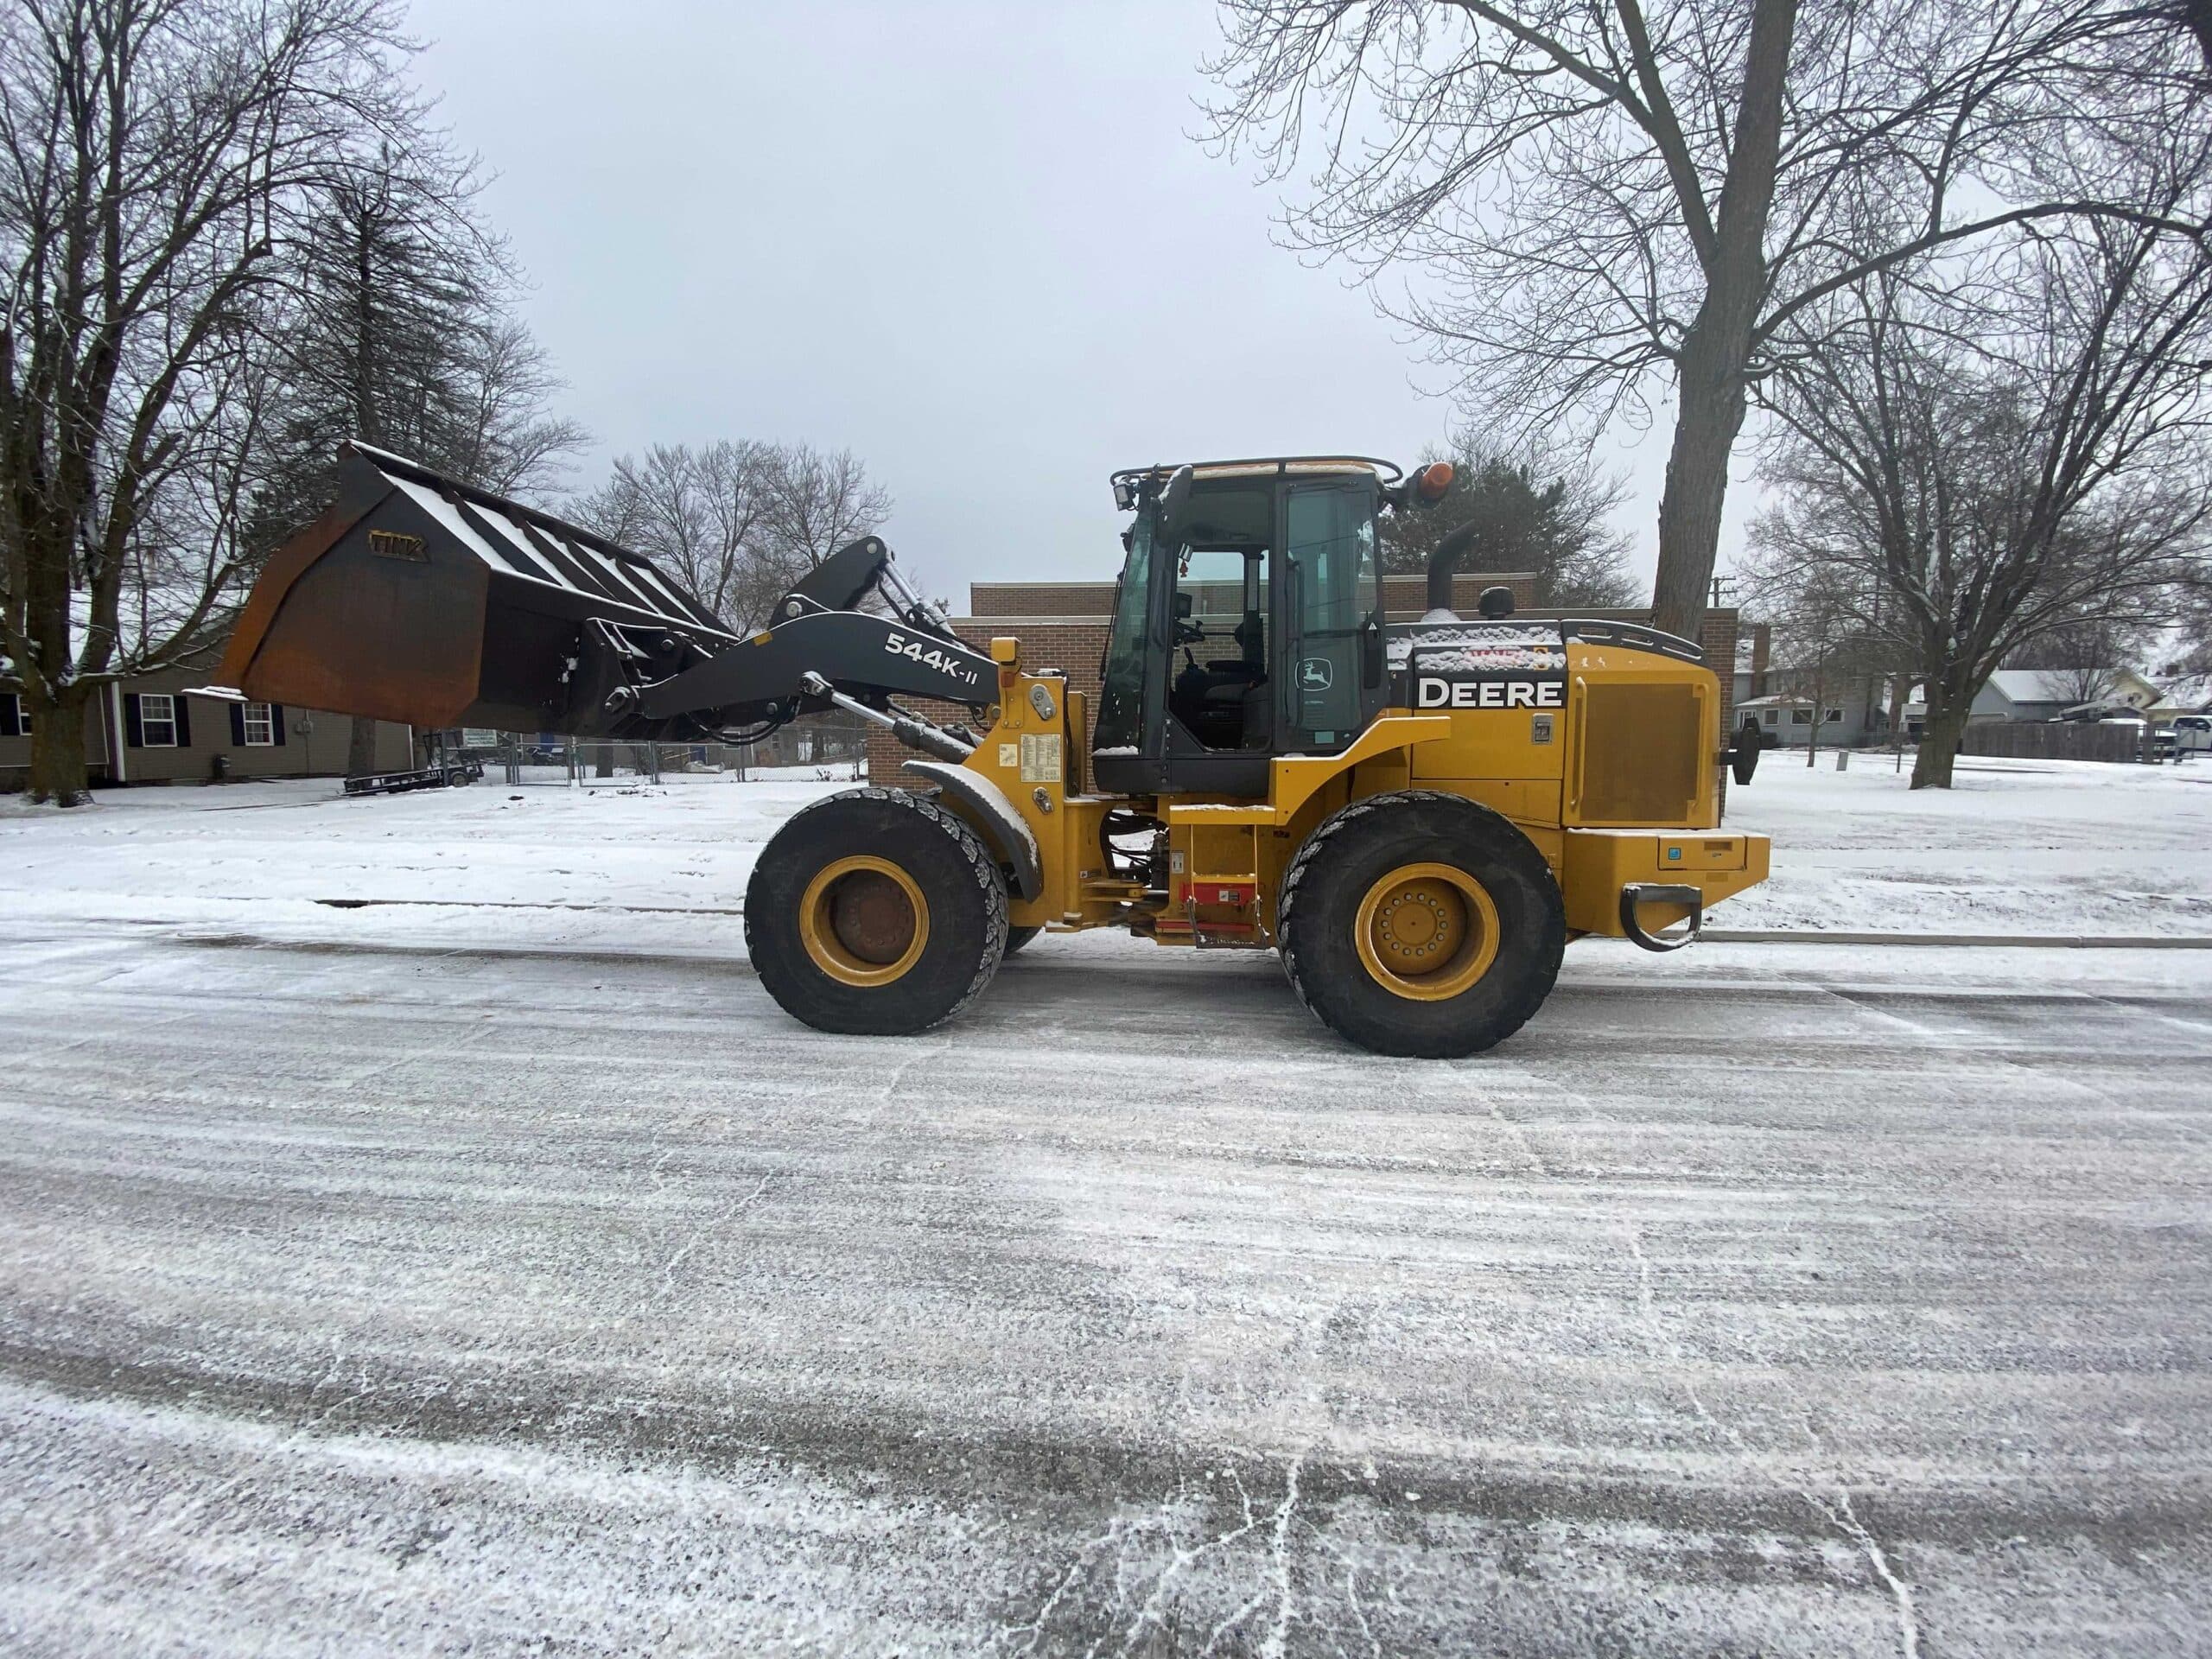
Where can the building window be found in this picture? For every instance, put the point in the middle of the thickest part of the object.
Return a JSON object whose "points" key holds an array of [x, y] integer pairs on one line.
{"points": [[157, 720], [14, 716], [260, 725], [1834, 717], [1774, 717], [1801, 716]]}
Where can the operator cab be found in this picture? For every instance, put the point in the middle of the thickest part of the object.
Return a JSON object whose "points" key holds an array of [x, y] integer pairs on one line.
{"points": [[1248, 622]]}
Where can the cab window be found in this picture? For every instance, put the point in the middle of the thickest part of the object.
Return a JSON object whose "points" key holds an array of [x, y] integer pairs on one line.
{"points": [[1121, 695], [1335, 593]]}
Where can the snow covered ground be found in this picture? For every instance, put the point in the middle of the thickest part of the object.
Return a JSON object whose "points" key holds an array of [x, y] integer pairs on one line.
{"points": [[2018, 846], [475, 1275]]}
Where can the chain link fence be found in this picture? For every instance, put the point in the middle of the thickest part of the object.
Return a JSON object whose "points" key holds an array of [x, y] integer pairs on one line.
{"points": [[828, 752]]}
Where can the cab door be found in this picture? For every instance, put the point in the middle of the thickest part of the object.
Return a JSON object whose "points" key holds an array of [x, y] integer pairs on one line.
{"points": [[1329, 673]]}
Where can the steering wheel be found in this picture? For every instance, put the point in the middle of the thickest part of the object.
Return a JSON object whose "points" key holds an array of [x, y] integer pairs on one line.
{"points": [[1188, 633]]}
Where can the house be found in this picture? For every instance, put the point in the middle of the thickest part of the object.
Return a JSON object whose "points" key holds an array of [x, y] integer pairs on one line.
{"points": [[2189, 695], [1786, 720], [2023, 694], [150, 730]]}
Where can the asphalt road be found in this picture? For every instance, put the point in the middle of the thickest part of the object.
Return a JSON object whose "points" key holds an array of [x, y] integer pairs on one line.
{"points": [[413, 1299]]}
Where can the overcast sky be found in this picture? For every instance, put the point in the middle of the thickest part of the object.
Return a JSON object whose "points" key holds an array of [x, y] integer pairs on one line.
{"points": [[978, 245]]}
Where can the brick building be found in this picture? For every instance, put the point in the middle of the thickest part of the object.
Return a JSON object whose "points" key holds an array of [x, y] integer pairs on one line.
{"points": [[1064, 625]]}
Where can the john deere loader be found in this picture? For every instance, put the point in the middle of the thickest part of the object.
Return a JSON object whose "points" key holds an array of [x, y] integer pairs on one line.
{"points": [[1417, 819]]}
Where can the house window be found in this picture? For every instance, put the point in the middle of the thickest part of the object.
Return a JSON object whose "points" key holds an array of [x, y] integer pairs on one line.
{"points": [[1801, 716], [1773, 716], [1834, 717], [260, 725], [156, 720], [14, 717]]}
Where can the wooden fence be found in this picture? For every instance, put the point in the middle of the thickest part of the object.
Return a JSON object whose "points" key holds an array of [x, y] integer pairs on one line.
{"points": [[2055, 740]]}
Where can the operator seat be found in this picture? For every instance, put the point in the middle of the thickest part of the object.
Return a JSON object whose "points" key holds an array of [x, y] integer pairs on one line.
{"points": [[1209, 699], [1214, 701]]}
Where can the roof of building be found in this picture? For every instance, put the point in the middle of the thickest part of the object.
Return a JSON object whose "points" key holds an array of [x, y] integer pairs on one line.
{"points": [[2031, 684], [2191, 694]]}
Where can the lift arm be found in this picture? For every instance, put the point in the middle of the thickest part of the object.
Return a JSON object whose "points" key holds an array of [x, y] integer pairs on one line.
{"points": [[854, 651]]}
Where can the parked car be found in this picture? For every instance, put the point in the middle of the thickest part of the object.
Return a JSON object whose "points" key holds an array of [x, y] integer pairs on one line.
{"points": [[2192, 734]]}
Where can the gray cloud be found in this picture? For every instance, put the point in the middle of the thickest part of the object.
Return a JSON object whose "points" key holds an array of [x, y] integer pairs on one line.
{"points": [[976, 244]]}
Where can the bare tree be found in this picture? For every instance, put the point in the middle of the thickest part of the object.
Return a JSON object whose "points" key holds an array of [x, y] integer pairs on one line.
{"points": [[821, 501], [1549, 514], [509, 443], [1992, 491], [1825, 648], [154, 157], [394, 329], [738, 521], [1611, 199], [705, 514]]}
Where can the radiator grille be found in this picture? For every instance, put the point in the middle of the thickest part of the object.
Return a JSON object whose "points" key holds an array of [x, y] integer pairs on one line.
{"points": [[1641, 747]]}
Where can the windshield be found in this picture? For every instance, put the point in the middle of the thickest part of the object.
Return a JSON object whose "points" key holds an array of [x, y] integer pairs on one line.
{"points": [[1120, 698]]}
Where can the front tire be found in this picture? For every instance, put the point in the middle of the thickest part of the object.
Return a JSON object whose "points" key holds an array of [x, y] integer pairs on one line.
{"points": [[876, 913], [1420, 924]]}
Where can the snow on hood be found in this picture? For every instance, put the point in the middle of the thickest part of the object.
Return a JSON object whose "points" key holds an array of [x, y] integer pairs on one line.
{"points": [[1475, 647]]}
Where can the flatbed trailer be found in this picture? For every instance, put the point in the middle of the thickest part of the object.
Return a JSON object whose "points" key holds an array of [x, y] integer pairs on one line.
{"points": [[446, 774]]}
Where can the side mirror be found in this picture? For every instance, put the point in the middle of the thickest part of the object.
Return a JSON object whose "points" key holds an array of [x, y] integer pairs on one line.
{"points": [[1175, 500], [1742, 754]]}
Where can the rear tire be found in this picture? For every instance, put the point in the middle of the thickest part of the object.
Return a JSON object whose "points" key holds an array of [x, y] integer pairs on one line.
{"points": [[1420, 924], [876, 913]]}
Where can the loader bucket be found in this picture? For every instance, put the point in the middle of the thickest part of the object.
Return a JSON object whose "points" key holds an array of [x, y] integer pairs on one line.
{"points": [[420, 599]]}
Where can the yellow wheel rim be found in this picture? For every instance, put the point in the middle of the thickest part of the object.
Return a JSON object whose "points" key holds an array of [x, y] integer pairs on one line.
{"points": [[863, 921], [1426, 932]]}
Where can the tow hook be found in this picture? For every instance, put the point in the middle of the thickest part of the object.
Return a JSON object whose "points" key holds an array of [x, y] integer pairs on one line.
{"points": [[1661, 892]]}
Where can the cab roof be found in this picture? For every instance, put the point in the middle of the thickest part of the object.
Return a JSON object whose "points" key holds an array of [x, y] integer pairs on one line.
{"points": [[1261, 464], [1388, 472]]}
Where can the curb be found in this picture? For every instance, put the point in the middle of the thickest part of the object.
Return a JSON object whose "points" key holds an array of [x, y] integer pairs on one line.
{"points": [[2017, 941]]}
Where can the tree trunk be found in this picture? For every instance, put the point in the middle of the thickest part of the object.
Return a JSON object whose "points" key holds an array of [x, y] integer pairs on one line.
{"points": [[1710, 416], [1715, 357], [58, 772], [1939, 740], [361, 748]]}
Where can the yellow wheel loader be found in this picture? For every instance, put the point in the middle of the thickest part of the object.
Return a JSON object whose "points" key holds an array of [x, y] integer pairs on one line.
{"points": [[1416, 817]]}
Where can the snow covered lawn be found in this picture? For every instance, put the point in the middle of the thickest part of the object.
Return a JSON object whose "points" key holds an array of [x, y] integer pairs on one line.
{"points": [[2018, 846], [633, 867]]}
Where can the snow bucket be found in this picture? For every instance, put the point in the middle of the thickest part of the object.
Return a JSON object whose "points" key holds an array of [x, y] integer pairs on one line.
{"points": [[420, 599]]}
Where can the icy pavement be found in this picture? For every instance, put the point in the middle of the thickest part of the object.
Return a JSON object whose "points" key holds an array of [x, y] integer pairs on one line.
{"points": [[418, 1279]]}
